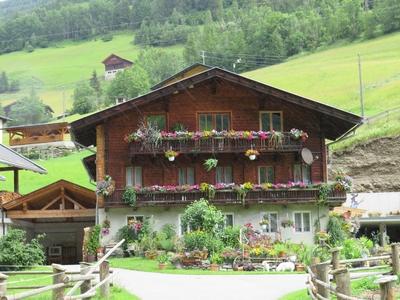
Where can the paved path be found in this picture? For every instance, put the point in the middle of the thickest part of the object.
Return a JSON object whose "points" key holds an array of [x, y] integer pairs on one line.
{"points": [[156, 286]]}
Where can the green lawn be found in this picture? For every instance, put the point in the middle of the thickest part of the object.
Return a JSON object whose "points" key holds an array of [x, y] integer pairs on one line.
{"points": [[147, 265], [69, 168], [117, 293], [63, 64]]}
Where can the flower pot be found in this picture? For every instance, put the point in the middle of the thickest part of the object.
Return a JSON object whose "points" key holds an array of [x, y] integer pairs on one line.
{"points": [[300, 268], [162, 266], [252, 157], [171, 158], [214, 267], [264, 227], [91, 258]]}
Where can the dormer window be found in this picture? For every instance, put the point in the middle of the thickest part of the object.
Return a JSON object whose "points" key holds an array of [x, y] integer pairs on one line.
{"points": [[271, 120], [217, 121]]}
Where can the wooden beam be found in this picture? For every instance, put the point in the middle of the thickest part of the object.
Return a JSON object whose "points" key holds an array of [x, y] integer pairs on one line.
{"points": [[62, 198], [74, 202], [50, 213], [8, 169], [16, 181], [25, 206], [51, 203]]}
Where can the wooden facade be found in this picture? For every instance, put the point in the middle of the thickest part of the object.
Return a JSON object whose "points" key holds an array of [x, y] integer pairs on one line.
{"points": [[37, 134], [210, 92]]}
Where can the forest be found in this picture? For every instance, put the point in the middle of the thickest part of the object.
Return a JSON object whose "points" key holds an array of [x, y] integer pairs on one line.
{"points": [[238, 35]]}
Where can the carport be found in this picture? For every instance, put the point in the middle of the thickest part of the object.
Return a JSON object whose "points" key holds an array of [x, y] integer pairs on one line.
{"points": [[60, 211]]}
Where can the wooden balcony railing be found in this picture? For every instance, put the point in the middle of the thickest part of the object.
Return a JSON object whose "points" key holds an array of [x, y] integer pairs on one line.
{"points": [[216, 145], [223, 197]]}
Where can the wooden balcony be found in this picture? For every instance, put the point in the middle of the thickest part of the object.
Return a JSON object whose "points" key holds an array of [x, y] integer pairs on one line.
{"points": [[216, 145], [273, 196]]}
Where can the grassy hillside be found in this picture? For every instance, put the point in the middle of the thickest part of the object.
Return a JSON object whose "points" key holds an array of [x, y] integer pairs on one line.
{"points": [[331, 76], [68, 168], [49, 70]]}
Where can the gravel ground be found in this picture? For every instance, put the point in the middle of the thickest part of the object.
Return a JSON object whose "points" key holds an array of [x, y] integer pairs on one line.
{"points": [[155, 286]]}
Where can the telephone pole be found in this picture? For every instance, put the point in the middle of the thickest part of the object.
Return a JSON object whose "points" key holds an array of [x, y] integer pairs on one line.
{"points": [[361, 85]]}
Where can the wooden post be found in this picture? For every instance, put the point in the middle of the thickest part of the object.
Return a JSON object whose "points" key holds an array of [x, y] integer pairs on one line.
{"points": [[395, 259], [100, 158], [342, 279], [3, 285], [314, 262], [323, 275], [16, 181], [386, 284], [383, 234], [86, 285], [59, 276], [104, 273], [335, 257]]}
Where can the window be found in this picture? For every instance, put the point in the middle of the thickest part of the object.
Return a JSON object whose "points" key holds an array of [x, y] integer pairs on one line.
{"points": [[223, 175], [302, 173], [134, 219], [159, 121], [271, 120], [302, 221], [228, 219], [272, 218], [266, 174], [217, 121], [182, 229], [186, 176], [133, 176]]}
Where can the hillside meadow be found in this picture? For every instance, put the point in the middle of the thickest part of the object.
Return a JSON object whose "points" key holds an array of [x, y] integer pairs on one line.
{"points": [[60, 66]]}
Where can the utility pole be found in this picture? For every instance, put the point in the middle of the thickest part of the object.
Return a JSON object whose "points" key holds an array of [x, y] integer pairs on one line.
{"points": [[203, 56], [361, 86]]}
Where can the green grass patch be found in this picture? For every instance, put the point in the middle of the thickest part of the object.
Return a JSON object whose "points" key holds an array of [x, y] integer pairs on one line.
{"points": [[296, 295], [117, 293], [69, 168], [62, 65], [147, 265]]}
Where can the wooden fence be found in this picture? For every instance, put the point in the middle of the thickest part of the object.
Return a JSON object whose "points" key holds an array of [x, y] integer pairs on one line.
{"points": [[342, 272], [62, 280]]}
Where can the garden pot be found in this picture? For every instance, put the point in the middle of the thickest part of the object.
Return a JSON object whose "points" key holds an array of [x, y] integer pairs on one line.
{"points": [[214, 267], [252, 157], [264, 227], [300, 268], [171, 158], [162, 266], [91, 258]]}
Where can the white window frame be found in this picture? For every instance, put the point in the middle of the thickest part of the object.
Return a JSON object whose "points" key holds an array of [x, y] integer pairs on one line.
{"points": [[302, 212], [233, 218], [269, 220], [135, 217], [180, 226]]}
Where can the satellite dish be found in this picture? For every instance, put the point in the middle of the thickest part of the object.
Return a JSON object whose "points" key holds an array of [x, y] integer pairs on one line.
{"points": [[307, 156]]}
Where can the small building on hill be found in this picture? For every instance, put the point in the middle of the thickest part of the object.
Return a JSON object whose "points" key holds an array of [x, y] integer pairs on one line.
{"points": [[114, 64]]}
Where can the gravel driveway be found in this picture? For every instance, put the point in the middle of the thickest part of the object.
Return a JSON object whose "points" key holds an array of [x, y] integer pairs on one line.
{"points": [[156, 286]]}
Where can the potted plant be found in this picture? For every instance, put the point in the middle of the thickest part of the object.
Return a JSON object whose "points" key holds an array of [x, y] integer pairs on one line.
{"points": [[287, 223], [252, 154], [162, 261], [171, 154], [215, 260], [264, 222], [105, 187]]}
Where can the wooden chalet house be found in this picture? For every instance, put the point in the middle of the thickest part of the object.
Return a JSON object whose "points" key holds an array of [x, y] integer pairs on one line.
{"points": [[216, 114], [113, 64]]}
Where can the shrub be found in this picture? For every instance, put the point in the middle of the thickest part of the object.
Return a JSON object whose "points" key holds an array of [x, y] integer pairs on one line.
{"points": [[107, 38], [94, 240], [129, 196], [199, 240], [165, 242], [337, 230], [356, 248], [16, 250], [230, 237], [200, 215]]}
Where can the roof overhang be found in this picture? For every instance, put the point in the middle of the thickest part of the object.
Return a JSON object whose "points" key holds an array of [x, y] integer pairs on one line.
{"points": [[336, 122], [15, 160]]}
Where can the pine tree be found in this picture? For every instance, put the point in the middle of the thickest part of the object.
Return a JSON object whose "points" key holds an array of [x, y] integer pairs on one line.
{"points": [[95, 83]]}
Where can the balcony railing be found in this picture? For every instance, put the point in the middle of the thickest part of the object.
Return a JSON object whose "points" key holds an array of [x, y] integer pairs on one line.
{"points": [[217, 145], [227, 197]]}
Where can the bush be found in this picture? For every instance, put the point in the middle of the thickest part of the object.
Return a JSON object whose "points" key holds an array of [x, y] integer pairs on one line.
{"points": [[230, 237], [200, 215], [200, 240], [129, 196], [94, 240], [337, 230], [166, 238], [356, 248], [16, 250], [107, 38]]}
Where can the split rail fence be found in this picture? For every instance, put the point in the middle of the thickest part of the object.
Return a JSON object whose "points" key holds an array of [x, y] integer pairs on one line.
{"points": [[334, 277], [66, 285]]}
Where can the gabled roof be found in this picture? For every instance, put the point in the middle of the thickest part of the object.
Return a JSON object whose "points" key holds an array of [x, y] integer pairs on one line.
{"points": [[116, 57], [42, 197], [197, 68], [336, 122], [41, 126], [12, 158]]}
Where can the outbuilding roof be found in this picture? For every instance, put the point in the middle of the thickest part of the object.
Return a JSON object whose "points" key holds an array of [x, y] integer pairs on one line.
{"points": [[13, 159]]}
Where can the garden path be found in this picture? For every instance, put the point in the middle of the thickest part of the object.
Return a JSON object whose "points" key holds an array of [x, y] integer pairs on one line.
{"points": [[156, 286]]}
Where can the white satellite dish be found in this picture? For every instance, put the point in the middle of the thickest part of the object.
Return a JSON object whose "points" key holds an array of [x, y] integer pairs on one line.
{"points": [[307, 156]]}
